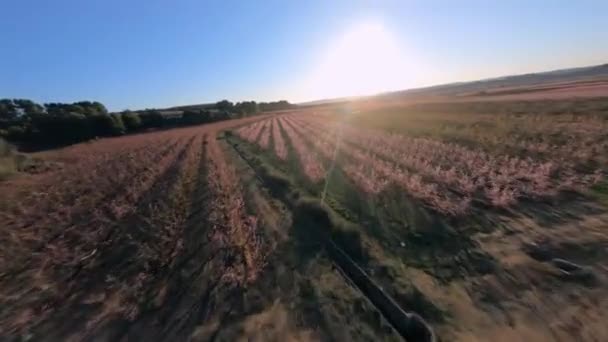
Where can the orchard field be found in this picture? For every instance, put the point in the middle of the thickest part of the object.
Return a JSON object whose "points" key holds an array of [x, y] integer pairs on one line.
{"points": [[477, 220]]}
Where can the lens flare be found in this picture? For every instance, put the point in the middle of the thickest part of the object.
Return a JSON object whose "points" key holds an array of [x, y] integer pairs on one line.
{"points": [[365, 60]]}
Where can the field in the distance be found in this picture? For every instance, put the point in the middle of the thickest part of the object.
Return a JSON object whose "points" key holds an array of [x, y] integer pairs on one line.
{"points": [[488, 219]]}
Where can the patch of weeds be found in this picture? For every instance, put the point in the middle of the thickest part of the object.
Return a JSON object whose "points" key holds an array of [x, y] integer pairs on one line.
{"points": [[278, 184], [8, 162], [339, 208], [7, 168], [600, 192], [314, 222]]}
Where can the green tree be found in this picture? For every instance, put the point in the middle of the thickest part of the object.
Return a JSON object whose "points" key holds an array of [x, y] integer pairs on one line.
{"points": [[8, 110], [15, 133], [103, 125], [151, 119], [91, 108], [246, 108], [60, 129], [277, 105], [193, 117], [99, 107], [131, 120], [119, 126], [224, 105], [56, 109], [28, 107]]}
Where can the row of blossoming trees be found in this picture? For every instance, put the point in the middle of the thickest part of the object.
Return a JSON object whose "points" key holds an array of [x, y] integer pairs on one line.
{"points": [[445, 176], [150, 194]]}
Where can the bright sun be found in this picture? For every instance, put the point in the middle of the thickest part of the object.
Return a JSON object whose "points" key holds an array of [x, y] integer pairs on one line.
{"points": [[365, 60]]}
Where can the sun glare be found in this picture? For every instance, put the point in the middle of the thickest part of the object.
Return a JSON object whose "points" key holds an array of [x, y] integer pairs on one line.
{"points": [[365, 60]]}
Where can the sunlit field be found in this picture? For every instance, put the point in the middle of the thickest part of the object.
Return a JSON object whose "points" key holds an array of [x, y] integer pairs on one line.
{"points": [[369, 219], [473, 215]]}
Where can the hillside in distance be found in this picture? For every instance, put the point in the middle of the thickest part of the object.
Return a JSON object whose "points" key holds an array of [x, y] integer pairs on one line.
{"points": [[594, 78], [596, 73]]}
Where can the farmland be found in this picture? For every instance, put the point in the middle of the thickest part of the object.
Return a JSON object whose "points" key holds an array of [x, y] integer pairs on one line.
{"points": [[483, 218]]}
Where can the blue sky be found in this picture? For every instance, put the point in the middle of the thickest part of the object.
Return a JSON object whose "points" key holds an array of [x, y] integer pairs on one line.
{"points": [[136, 53]]}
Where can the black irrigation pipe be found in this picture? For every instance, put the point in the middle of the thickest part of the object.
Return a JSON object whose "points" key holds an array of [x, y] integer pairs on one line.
{"points": [[408, 324]]}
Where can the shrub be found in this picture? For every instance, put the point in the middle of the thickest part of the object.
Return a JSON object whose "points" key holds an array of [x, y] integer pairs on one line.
{"points": [[7, 161], [131, 121], [118, 126], [151, 119], [61, 129], [196, 117], [106, 125], [15, 133]]}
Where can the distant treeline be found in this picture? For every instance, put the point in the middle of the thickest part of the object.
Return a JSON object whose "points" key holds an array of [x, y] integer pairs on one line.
{"points": [[242, 108], [54, 124]]}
